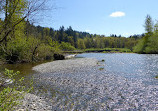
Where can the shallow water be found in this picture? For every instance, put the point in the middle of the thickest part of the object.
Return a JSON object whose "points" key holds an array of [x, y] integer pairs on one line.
{"points": [[24, 68], [121, 82], [128, 65]]}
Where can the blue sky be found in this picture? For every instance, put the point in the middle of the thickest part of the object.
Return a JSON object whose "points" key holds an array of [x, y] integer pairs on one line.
{"points": [[125, 17]]}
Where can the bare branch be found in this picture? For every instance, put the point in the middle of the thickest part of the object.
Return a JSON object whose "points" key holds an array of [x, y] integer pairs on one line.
{"points": [[11, 29], [33, 8]]}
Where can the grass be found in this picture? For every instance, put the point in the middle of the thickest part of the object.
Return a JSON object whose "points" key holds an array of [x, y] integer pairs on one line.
{"points": [[73, 52], [156, 77], [109, 50]]}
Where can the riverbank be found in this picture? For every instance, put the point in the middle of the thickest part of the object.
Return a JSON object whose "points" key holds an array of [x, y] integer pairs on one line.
{"points": [[65, 65], [100, 50], [109, 50], [78, 84], [34, 102]]}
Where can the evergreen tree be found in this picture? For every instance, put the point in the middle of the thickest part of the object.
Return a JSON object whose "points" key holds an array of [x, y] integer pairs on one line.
{"points": [[148, 24]]}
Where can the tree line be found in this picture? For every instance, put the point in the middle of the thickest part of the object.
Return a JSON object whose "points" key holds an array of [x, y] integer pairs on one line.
{"points": [[21, 40], [84, 40], [16, 43], [149, 43]]}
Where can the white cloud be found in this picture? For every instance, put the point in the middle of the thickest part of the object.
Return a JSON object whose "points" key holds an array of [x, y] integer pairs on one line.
{"points": [[117, 14]]}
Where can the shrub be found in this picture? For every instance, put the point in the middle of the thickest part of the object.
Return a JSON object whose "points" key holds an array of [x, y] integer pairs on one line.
{"points": [[139, 48], [152, 46], [11, 94], [66, 46]]}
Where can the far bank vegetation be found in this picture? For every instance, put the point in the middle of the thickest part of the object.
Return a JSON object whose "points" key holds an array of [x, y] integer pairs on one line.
{"points": [[22, 41]]}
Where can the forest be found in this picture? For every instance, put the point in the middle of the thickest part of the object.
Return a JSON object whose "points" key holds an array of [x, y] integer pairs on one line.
{"points": [[104, 82], [22, 41], [149, 43]]}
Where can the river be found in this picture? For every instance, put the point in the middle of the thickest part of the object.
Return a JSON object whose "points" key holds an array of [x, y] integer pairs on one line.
{"points": [[117, 82], [142, 66]]}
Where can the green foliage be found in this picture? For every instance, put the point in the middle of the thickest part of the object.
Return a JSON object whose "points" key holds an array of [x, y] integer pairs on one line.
{"points": [[13, 11], [41, 49], [44, 52], [106, 50], [15, 49], [83, 40], [149, 43], [81, 44], [139, 47], [148, 24], [152, 46], [65, 46], [10, 96], [147, 46], [27, 43], [19, 40]]}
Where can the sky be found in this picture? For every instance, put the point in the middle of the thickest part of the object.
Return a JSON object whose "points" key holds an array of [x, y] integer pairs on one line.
{"points": [[104, 17]]}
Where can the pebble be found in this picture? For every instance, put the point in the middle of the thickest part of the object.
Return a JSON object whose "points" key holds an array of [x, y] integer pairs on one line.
{"points": [[78, 84]]}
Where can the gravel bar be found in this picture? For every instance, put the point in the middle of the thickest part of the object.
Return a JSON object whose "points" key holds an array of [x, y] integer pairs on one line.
{"points": [[81, 84], [32, 102], [64, 65]]}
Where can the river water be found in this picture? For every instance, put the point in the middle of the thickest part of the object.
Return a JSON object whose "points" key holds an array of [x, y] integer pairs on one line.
{"points": [[118, 82], [139, 66]]}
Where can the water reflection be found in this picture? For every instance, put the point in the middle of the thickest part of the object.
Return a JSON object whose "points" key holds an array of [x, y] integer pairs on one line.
{"points": [[24, 68], [128, 65]]}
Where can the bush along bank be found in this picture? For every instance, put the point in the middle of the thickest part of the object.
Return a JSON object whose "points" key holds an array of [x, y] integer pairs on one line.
{"points": [[109, 50]]}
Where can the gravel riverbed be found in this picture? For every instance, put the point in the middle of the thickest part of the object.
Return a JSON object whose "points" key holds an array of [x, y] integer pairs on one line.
{"points": [[65, 65], [82, 84]]}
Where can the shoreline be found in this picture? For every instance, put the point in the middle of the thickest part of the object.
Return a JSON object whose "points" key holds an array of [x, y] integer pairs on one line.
{"points": [[80, 82], [63, 65], [38, 103]]}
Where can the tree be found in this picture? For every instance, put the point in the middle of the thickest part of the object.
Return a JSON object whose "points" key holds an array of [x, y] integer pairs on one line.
{"points": [[62, 35], [152, 45], [20, 8], [148, 24], [70, 40], [81, 44], [143, 43], [148, 29], [65, 46], [70, 31], [52, 33], [15, 28], [10, 29], [156, 27]]}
